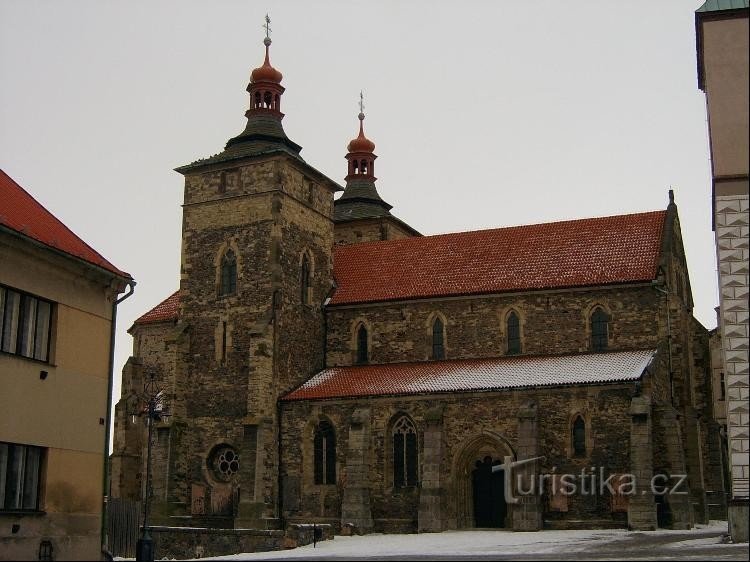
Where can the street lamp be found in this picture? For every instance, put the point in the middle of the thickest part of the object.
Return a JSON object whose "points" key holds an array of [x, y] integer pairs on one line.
{"points": [[150, 406]]}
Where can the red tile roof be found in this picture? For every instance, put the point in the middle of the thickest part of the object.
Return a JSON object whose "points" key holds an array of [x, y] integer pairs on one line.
{"points": [[162, 312], [473, 375], [20, 212], [596, 251]]}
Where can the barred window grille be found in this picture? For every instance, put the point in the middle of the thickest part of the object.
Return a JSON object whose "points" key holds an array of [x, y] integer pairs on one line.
{"points": [[438, 339], [599, 330]]}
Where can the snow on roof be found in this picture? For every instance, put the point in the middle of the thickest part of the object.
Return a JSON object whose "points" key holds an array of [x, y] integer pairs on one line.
{"points": [[471, 375]]}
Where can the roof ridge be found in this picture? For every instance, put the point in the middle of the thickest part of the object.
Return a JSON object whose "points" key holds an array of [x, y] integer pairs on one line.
{"points": [[500, 228]]}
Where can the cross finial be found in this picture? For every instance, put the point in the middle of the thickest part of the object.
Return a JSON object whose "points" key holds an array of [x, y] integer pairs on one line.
{"points": [[267, 27], [361, 105]]}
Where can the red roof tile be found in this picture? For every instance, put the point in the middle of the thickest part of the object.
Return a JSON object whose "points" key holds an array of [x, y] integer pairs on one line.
{"points": [[596, 251], [20, 212], [162, 312], [473, 375]]}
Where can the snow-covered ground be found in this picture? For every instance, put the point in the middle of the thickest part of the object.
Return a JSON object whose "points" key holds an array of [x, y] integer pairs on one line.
{"points": [[704, 542]]}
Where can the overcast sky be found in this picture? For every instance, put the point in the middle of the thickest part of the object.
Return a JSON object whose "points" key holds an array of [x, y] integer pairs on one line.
{"points": [[485, 114]]}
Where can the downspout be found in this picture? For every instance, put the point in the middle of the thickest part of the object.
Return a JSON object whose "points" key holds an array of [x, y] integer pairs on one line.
{"points": [[108, 422]]}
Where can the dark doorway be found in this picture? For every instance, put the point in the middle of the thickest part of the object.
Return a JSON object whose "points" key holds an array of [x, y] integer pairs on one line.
{"points": [[490, 508]]}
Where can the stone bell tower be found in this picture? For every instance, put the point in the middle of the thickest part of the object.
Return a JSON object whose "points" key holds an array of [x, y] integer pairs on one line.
{"points": [[256, 266]]}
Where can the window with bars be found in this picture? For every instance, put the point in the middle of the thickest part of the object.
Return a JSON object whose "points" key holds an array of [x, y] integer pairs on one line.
{"points": [[362, 355], [599, 330], [514, 334], [325, 453], [228, 276], [20, 475], [405, 459], [579, 437], [25, 323], [438, 339]]}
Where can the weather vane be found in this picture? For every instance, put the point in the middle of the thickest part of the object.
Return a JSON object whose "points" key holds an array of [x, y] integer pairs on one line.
{"points": [[267, 27], [361, 102]]}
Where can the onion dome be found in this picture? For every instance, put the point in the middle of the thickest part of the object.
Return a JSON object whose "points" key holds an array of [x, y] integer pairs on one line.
{"points": [[361, 143], [266, 73]]}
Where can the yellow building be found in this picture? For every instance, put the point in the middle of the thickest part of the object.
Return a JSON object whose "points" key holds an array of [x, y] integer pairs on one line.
{"points": [[58, 301]]}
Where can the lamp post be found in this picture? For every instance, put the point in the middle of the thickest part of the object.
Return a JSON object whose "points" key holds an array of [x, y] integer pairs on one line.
{"points": [[150, 406]]}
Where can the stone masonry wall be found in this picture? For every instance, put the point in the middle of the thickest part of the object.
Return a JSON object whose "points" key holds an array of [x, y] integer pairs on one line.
{"points": [[473, 425], [476, 327], [237, 354], [369, 230]]}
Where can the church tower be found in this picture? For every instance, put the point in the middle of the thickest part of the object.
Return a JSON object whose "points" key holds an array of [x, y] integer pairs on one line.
{"points": [[361, 215], [256, 266]]}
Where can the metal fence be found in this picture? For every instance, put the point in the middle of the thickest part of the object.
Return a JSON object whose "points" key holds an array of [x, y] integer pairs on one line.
{"points": [[123, 525]]}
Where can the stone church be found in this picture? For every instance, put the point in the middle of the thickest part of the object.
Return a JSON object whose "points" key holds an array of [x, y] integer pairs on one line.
{"points": [[322, 361]]}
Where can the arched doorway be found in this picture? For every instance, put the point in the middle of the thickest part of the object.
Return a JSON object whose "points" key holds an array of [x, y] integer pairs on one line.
{"points": [[479, 493], [488, 489]]}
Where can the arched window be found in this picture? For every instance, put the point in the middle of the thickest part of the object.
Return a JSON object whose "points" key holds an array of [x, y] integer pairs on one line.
{"points": [[257, 100], [404, 453], [305, 280], [267, 99], [362, 355], [579, 437], [599, 329], [228, 284], [363, 166], [325, 453], [438, 339], [514, 334]]}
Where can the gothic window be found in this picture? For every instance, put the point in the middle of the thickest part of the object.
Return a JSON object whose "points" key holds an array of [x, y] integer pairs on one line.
{"points": [[599, 329], [362, 355], [228, 283], [404, 453], [514, 334], [305, 280], [579, 437], [325, 454], [438, 339]]}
